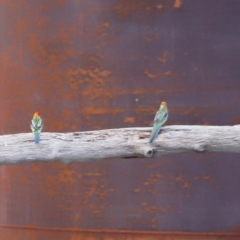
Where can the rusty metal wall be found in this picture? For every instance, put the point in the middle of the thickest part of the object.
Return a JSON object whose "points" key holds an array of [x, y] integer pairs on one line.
{"points": [[107, 64]]}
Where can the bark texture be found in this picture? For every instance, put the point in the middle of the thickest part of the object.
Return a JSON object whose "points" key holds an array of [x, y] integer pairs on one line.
{"points": [[118, 143]]}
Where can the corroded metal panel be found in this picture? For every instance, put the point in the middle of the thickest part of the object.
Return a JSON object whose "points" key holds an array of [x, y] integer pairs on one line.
{"points": [[106, 64], [16, 233]]}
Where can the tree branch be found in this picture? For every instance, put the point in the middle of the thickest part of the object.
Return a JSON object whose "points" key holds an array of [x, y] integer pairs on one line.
{"points": [[118, 143]]}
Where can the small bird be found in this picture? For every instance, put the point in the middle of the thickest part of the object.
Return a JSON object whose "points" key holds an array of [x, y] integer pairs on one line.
{"points": [[36, 126], [159, 119]]}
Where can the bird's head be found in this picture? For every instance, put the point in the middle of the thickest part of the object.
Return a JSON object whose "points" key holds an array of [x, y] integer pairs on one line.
{"points": [[163, 105], [36, 114]]}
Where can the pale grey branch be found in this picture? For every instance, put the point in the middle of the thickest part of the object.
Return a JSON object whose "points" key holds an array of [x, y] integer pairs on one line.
{"points": [[118, 143]]}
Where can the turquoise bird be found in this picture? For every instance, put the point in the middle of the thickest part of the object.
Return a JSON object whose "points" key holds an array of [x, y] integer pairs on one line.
{"points": [[159, 119], [36, 126]]}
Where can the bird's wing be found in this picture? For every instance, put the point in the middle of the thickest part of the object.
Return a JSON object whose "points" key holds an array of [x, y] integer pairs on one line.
{"points": [[160, 116]]}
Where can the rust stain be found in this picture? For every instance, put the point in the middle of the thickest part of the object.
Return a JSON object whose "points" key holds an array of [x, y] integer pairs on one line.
{"points": [[202, 178], [152, 166], [186, 185], [151, 209], [153, 192], [106, 25], [159, 6], [236, 120], [179, 179], [16, 233], [151, 75], [191, 111], [97, 210], [141, 109], [129, 120], [42, 22], [76, 217], [154, 178], [148, 39], [92, 82], [163, 59], [93, 174], [96, 187], [177, 3], [205, 122], [156, 75], [137, 190], [90, 194], [125, 7], [154, 222], [17, 4]]}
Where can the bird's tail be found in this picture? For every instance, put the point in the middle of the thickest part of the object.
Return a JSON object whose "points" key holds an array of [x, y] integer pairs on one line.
{"points": [[154, 133], [36, 137]]}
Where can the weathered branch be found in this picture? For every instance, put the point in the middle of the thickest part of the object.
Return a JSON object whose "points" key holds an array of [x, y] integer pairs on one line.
{"points": [[115, 143]]}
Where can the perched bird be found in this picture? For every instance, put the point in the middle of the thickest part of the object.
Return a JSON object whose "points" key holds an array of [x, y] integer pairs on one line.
{"points": [[36, 126], [159, 119]]}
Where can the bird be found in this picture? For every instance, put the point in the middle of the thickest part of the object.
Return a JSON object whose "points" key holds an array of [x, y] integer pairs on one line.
{"points": [[159, 119], [36, 126]]}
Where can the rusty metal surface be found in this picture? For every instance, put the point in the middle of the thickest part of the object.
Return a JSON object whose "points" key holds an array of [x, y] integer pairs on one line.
{"points": [[16, 233], [107, 64]]}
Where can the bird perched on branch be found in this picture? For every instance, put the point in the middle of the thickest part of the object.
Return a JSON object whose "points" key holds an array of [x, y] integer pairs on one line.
{"points": [[159, 119], [36, 126]]}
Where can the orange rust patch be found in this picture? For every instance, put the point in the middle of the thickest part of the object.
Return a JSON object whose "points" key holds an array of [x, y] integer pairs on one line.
{"points": [[129, 120], [154, 178], [76, 217], [137, 190], [97, 187], [156, 75], [125, 7], [179, 179], [163, 59], [159, 6], [191, 111], [154, 222], [140, 109], [202, 178], [154, 165], [153, 192], [206, 123], [67, 113], [169, 73], [152, 209], [186, 185], [148, 39], [236, 120], [97, 210], [42, 22], [93, 82], [177, 3], [151, 75], [92, 174], [106, 25]]}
